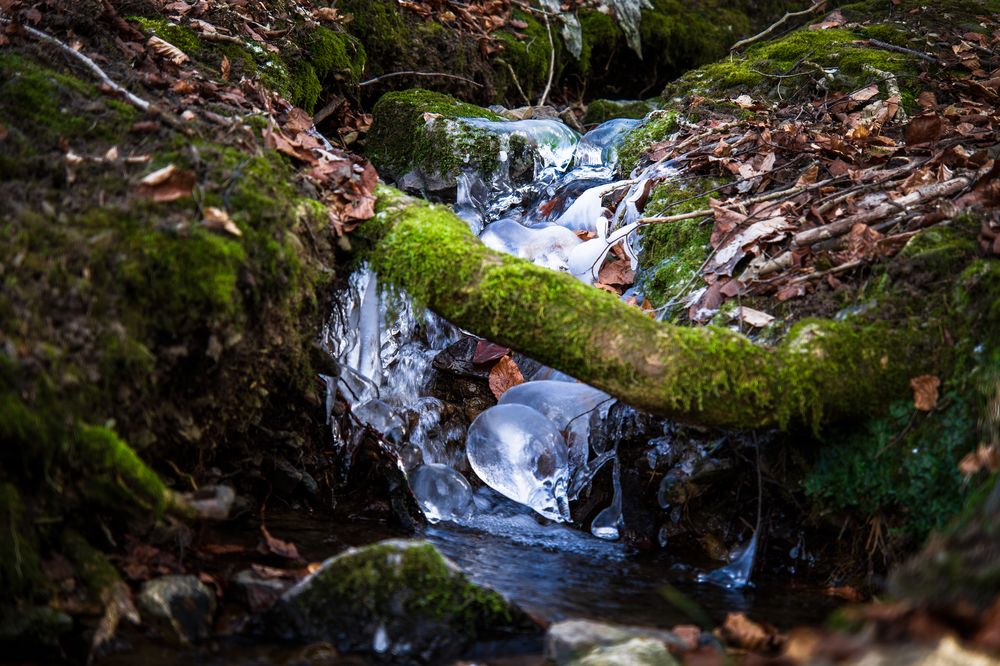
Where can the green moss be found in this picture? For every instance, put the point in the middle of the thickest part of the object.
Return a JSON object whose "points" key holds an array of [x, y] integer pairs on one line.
{"points": [[401, 139], [40, 106], [334, 53], [672, 253], [115, 476], [836, 50], [887, 33], [93, 568], [178, 35], [601, 36], [657, 127], [530, 56], [21, 571], [603, 110], [304, 86]]}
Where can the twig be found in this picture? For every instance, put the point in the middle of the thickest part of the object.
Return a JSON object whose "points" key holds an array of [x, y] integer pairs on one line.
{"points": [[830, 271], [438, 74], [552, 62], [902, 49], [774, 26], [135, 100], [517, 84]]}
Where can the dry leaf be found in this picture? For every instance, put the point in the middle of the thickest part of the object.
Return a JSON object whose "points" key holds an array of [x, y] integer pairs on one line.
{"points": [[216, 219], [986, 457], [924, 129], [744, 632], [754, 318], [224, 68], [285, 549], [166, 184], [925, 392], [166, 50], [504, 375], [488, 351]]}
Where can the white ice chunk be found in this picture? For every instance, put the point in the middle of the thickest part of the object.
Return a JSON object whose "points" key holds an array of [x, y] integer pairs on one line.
{"points": [[554, 141], [568, 406], [441, 492], [546, 246], [521, 454], [599, 146], [585, 259]]}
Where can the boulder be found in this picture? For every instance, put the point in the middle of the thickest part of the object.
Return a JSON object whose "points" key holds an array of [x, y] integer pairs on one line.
{"points": [[181, 607]]}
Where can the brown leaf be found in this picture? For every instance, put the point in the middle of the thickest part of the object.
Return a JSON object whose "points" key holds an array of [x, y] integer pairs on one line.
{"points": [[166, 184], [808, 176], [166, 50], [504, 375], [790, 291], [216, 219], [754, 318], [740, 630], [285, 549], [862, 243], [986, 457], [726, 221], [487, 352], [617, 272], [925, 392], [923, 129], [224, 68]]}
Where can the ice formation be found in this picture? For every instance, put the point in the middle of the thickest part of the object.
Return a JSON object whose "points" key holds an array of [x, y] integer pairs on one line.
{"points": [[548, 246], [441, 492], [521, 454], [567, 405]]}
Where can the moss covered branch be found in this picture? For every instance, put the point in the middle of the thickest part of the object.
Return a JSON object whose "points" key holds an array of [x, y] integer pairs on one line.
{"points": [[823, 370]]}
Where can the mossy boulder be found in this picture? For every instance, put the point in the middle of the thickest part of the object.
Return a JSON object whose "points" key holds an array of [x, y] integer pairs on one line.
{"points": [[399, 600], [424, 140], [656, 127]]}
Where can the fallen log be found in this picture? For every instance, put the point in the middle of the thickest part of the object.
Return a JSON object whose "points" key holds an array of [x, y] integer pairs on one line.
{"points": [[823, 370]]}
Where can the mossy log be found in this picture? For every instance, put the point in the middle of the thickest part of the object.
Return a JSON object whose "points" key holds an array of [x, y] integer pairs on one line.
{"points": [[824, 370]]}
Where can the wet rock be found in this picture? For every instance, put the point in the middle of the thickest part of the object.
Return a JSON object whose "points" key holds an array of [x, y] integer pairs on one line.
{"points": [[258, 592], [398, 600], [633, 652], [182, 607], [572, 640]]}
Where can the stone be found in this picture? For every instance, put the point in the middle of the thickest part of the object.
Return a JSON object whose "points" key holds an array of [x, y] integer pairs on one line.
{"points": [[574, 639], [399, 600], [633, 652], [258, 592], [182, 607]]}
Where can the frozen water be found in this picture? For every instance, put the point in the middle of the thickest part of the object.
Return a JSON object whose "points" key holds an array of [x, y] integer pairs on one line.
{"points": [[608, 523], [521, 454], [382, 418], [599, 146], [441, 492], [567, 405], [582, 215], [585, 259], [736, 574], [546, 246], [554, 141]]}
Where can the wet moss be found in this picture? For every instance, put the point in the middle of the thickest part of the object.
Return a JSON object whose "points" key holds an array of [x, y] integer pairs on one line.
{"points": [[335, 54], [93, 568], [115, 477], [656, 127]]}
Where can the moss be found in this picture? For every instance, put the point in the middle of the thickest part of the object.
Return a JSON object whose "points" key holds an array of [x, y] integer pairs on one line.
{"points": [[178, 35], [401, 139], [603, 110], [887, 33], [21, 571], [600, 37], [836, 50], [334, 53], [657, 127], [39, 104], [304, 86], [530, 55], [672, 253], [93, 568], [116, 477]]}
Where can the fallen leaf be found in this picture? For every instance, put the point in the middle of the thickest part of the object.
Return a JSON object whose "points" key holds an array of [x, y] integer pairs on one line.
{"points": [[224, 68], [744, 101], [754, 318], [986, 457], [504, 375], [747, 634], [487, 352], [923, 129], [285, 549], [216, 219], [166, 50], [925, 392], [166, 184]]}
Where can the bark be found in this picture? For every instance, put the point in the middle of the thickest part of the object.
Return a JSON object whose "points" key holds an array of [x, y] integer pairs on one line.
{"points": [[823, 369]]}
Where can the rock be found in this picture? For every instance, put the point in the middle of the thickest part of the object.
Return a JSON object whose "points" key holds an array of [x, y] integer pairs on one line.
{"points": [[182, 606], [633, 652], [398, 599], [573, 639], [32, 629], [258, 592]]}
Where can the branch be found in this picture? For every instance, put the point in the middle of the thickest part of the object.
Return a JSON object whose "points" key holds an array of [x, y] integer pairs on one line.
{"points": [[437, 74], [774, 26], [552, 62]]}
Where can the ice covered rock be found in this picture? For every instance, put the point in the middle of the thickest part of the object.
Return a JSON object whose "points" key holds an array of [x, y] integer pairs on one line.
{"points": [[521, 454], [441, 492], [599, 146]]}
